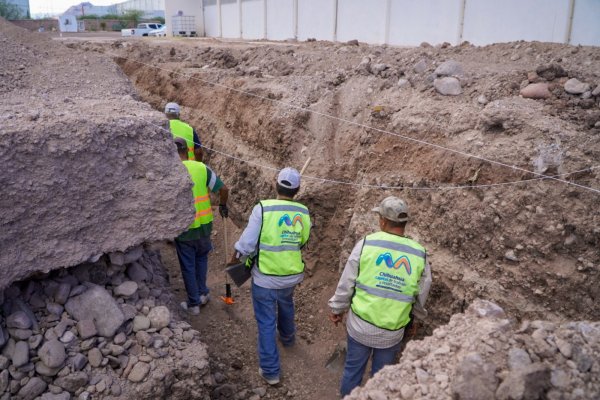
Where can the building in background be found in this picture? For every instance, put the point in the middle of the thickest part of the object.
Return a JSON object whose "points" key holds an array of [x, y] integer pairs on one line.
{"points": [[23, 7], [151, 8]]}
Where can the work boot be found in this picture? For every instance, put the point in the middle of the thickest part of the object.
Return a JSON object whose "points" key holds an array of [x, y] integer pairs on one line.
{"points": [[204, 299], [270, 380], [194, 310]]}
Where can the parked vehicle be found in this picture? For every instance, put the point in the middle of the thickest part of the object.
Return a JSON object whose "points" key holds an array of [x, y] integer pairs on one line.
{"points": [[160, 32], [142, 29]]}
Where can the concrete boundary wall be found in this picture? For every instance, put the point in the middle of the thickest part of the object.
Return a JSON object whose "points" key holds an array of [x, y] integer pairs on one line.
{"points": [[398, 22]]}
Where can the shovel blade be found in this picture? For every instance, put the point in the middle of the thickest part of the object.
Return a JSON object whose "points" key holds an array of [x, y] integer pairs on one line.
{"points": [[338, 358]]}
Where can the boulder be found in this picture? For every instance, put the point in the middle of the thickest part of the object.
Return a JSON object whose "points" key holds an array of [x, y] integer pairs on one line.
{"points": [[574, 86], [18, 320], [448, 86], [32, 389], [137, 273], [551, 71], [86, 328], [121, 258], [20, 355], [449, 68], [96, 303], [529, 382], [475, 379], [139, 372], [73, 381], [159, 317], [52, 353], [126, 289], [109, 185], [536, 91], [140, 323]]}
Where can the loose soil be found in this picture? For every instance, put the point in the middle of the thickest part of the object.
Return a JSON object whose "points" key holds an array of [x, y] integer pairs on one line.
{"points": [[531, 247]]}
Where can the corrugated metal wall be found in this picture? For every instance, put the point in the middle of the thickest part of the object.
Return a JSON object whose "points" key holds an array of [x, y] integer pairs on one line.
{"points": [[403, 22]]}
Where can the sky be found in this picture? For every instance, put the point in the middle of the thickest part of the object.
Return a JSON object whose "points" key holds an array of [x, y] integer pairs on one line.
{"points": [[60, 6]]}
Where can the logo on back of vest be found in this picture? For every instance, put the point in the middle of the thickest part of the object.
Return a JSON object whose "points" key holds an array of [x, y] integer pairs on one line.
{"points": [[291, 222], [390, 263]]}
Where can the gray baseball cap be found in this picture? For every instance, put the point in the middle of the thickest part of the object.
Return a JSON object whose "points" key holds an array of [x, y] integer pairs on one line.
{"points": [[289, 178], [394, 209], [172, 108]]}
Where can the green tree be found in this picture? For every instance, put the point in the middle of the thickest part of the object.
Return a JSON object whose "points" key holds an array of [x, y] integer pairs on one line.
{"points": [[9, 11], [133, 15]]}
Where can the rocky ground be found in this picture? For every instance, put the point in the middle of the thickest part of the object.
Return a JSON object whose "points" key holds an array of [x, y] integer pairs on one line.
{"points": [[376, 117], [100, 330], [482, 354]]}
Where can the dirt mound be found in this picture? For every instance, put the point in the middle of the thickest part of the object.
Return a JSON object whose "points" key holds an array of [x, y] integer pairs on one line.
{"points": [[84, 171], [537, 240], [481, 355], [529, 245]]}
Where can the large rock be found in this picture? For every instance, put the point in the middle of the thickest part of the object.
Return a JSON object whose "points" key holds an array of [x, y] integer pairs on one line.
{"points": [[574, 86], [159, 317], [97, 304], [73, 381], [32, 389], [536, 91], [449, 68], [52, 353], [18, 320], [80, 177], [529, 382], [447, 86], [126, 289]]}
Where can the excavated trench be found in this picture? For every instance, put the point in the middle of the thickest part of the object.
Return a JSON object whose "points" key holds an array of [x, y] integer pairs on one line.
{"points": [[532, 248]]}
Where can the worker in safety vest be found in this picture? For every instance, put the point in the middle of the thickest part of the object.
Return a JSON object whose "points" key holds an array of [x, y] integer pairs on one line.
{"points": [[194, 244], [181, 129], [386, 274], [271, 243]]}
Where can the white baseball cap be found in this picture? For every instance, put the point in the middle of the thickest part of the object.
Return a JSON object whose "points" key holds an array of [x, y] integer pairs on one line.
{"points": [[172, 108], [289, 178]]}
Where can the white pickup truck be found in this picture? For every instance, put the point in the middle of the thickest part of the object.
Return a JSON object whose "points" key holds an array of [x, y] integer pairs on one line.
{"points": [[142, 29]]}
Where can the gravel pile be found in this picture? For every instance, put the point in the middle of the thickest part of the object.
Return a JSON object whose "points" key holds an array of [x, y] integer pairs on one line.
{"points": [[481, 354], [99, 330]]}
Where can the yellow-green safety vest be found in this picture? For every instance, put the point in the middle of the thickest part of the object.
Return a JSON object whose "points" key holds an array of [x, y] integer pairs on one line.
{"points": [[285, 229], [388, 280], [186, 132], [199, 175]]}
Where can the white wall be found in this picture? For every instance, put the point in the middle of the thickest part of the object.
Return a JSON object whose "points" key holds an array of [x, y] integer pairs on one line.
{"points": [[280, 19], [253, 19], [230, 12], [586, 23], [362, 20], [211, 18], [510, 20], [316, 19], [414, 22], [406, 22], [188, 7]]}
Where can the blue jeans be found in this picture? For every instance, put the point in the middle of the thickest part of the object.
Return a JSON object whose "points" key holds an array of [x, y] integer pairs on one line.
{"points": [[357, 357], [193, 260], [273, 308]]}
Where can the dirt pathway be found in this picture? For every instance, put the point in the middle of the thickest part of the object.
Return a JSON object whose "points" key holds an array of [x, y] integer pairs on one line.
{"points": [[230, 333]]}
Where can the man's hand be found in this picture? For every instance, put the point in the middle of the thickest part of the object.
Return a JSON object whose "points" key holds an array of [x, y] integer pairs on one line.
{"points": [[223, 210], [336, 318], [234, 260]]}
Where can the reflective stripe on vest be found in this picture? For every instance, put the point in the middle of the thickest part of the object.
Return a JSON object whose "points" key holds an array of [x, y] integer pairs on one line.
{"points": [[388, 280], [199, 175], [184, 131], [285, 228]]}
